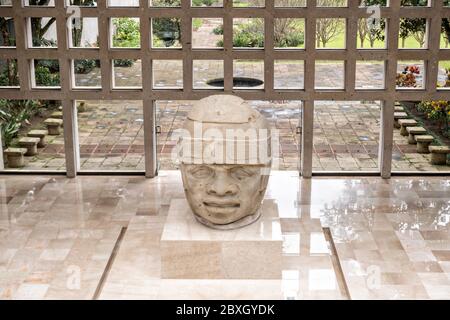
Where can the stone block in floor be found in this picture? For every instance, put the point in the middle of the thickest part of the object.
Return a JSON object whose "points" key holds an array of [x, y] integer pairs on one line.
{"points": [[190, 250]]}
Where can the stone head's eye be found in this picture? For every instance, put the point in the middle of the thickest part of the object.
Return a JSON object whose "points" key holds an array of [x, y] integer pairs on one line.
{"points": [[241, 173], [201, 172]]}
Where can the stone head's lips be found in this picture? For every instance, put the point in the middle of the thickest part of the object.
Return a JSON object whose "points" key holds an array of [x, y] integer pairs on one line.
{"points": [[222, 204]]}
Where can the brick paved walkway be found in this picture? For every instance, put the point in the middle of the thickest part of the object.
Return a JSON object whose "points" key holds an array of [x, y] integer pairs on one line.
{"points": [[345, 133]]}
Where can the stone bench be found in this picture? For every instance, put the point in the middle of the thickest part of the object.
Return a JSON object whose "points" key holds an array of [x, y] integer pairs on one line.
{"points": [[53, 126], [57, 115], [15, 157], [398, 116], [423, 141], [30, 144], [41, 134], [439, 154], [405, 123], [414, 131]]}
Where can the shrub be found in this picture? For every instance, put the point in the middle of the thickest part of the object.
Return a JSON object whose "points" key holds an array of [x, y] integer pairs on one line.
{"points": [[291, 40], [84, 66], [127, 33], [51, 65], [438, 111], [218, 30], [44, 76], [13, 114], [123, 62], [250, 35], [197, 23], [245, 38], [202, 3], [166, 3]]}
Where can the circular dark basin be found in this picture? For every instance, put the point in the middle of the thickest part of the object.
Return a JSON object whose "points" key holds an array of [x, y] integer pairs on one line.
{"points": [[237, 82]]}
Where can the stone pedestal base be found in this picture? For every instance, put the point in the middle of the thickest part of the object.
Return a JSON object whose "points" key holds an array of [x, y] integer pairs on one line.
{"points": [[438, 158], [190, 250], [15, 157]]}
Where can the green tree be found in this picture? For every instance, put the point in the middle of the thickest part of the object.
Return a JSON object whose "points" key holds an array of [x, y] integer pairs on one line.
{"points": [[38, 29], [127, 33]]}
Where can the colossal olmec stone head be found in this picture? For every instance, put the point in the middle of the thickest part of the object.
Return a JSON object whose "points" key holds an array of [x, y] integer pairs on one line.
{"points": [[225, 159]]}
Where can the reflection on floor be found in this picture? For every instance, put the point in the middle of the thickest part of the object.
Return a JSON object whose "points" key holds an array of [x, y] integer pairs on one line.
{"points": [[98, 237]]}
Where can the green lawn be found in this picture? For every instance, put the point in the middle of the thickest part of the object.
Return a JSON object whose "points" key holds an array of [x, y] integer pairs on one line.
{"points": [[444, 64]]}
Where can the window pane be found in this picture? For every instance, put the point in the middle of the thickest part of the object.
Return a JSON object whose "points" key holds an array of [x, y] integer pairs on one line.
{"points": [[167, 80], [111, 135], [445, 34], [288, 74], [331, 3], [208, 74], [85, 3], [49, 3], [330, 33], [123, 3], [46, 73], [369, 74], [367, 3], [290, 3], [444, 75], [346, 135], [289, 33], [125, 33], [165, 3], [87, 73], [412, 33], [127, 73], [414, 3], [371, 33], [9, 76], [207, 3], [43, 32], [248, 74], [166, 33], [248, 33], [84, 33], [325, 68], [207, 32], [7, 32], [43, 139], [248, 3], [410, 74]]}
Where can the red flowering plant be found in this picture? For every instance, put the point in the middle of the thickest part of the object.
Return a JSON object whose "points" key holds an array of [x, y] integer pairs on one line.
{"points": [[407, 78]]}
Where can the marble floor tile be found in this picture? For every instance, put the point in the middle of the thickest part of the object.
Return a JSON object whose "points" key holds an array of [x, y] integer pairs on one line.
{"points": [[60, 238]]}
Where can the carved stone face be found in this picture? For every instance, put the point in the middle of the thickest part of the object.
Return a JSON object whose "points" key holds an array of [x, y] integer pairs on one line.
{"points": [[223, 194], [225, 161]]}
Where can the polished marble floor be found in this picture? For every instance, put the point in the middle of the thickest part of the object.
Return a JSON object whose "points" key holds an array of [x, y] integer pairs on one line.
{"points": [[98, 237]]}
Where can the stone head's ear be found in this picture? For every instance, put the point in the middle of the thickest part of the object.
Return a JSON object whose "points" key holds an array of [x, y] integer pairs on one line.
{"points": [[183, 170], [264, 180]]}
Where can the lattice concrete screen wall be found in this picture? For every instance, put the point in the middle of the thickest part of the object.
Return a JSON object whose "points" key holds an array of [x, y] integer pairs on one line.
{"points": [[431, 55]]}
